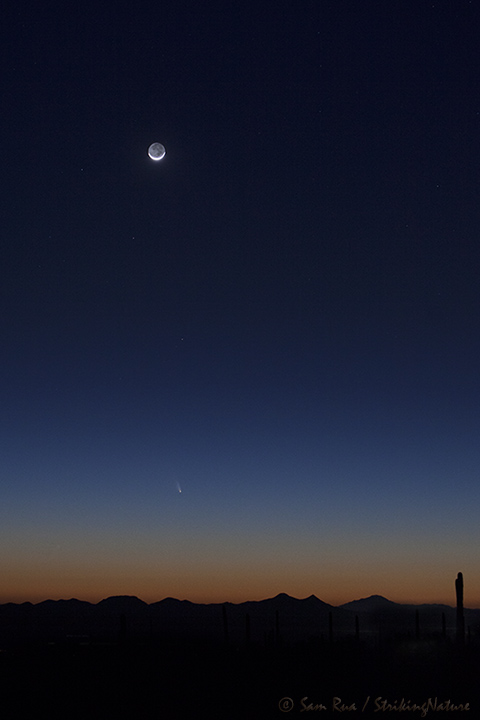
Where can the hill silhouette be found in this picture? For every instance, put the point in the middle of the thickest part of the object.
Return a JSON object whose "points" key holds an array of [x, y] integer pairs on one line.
{"points": [[372, 603], [281, 617], [124, 658]]}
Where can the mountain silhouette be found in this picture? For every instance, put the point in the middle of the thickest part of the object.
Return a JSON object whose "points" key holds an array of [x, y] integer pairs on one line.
{"points": [[122, 657], [370, 604], [280, 618], [122, 604]]}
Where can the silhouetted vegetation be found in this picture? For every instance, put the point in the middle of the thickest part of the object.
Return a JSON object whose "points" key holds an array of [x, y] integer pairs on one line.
{"points": [[123, 658]]}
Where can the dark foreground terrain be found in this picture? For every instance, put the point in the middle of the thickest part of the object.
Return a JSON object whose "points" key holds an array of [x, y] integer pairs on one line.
{"points": [[78, 680], [275, 659]]}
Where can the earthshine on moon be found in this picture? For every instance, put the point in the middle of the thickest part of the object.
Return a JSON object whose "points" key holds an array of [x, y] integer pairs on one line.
{"points": [[156, 151]]}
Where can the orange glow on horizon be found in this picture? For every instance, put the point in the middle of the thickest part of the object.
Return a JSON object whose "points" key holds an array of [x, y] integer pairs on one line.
{"points": [[30, 581]]}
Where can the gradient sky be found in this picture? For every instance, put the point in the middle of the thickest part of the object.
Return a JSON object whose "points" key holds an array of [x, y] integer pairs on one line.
{"points": [[282, 317]]}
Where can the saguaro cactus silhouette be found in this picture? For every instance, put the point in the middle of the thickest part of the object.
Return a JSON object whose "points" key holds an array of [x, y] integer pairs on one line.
{"points": [[225, 625], [460, 625], [123, 628]]}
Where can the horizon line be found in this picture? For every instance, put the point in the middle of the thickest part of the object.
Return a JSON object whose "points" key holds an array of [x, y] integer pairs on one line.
{"points": [[229, 602]]}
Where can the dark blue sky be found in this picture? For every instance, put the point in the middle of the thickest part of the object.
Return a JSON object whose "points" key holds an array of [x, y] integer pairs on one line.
{"points": [[282, 316]]}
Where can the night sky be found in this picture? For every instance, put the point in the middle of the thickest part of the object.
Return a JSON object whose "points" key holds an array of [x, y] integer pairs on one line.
{"points": [[281, 318]]}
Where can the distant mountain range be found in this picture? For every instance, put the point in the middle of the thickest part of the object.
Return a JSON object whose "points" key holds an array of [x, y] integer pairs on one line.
{"points": [[278, 619]]}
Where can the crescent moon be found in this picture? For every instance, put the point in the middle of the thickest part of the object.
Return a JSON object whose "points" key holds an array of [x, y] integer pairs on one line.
{"points": [[156, 151]]}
